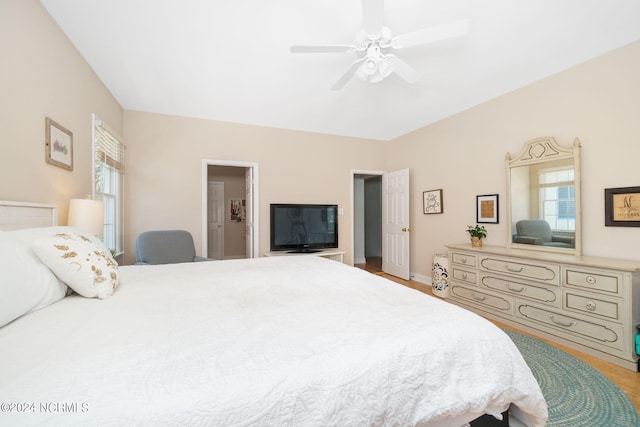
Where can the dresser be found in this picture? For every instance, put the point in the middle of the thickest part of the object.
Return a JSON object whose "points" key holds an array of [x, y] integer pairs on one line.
{"points": [[591, 304]]}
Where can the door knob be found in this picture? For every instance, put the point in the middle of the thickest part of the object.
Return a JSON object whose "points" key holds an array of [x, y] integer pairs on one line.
{"points": [[405, 229]]}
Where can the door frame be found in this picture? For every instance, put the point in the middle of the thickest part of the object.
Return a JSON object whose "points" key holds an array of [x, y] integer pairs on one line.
{"points": [[354, 173], [252, 223]]}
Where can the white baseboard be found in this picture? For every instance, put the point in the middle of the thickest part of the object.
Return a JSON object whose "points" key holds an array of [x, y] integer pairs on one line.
{"points": [[360, 261], [420, 278]]}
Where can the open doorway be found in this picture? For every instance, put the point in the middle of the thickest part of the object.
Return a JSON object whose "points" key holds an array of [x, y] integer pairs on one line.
{"points": [[393, 208], [367, 221], [229, 209]]}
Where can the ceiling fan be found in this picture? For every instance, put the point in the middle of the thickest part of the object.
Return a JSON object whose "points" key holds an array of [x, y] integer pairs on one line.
{"points": [[375, 41]]}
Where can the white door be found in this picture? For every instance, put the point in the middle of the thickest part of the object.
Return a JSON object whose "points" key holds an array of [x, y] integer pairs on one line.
{"points": [[215, 220], [395, 223], [248, 232]]}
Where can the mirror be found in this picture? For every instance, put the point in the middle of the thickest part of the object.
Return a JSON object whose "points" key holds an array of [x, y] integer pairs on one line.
{"points": [[543, 189]]}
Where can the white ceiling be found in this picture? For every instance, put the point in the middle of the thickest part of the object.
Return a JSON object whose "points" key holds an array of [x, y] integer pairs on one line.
{"points": [[230, 60]]}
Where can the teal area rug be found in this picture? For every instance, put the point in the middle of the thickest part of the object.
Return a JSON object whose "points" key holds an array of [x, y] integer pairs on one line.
{"points": [[577, 395]]}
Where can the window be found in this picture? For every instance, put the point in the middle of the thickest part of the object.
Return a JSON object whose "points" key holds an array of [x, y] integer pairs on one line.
{"points": [[108, 181], [557, 193]]}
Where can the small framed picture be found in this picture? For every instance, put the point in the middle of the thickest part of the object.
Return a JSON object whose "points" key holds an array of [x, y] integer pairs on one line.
{"points": [[622, 207], [432, 202], [58, 145], [238, 210], [487, 209]]}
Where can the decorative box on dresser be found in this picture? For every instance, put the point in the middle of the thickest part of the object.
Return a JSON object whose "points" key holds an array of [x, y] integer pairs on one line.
{"points": [[591, 304]]}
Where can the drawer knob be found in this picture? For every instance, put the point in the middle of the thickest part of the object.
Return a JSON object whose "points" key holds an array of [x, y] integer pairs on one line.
{"points": [[591, 305], [591, 280], [561, 323], [512, 289], [513, 269], [478, 297], [463, 260], [464, 276]]}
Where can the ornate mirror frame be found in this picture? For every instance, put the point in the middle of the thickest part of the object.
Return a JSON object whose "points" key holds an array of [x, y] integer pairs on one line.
{"points": [[540, 153]]}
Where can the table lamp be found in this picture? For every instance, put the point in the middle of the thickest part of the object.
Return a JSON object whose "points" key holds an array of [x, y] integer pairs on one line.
{"points": [[86, 215]]}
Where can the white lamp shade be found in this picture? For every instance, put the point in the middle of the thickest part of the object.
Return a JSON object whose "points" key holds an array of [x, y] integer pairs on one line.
{"points": [[86, 215]]}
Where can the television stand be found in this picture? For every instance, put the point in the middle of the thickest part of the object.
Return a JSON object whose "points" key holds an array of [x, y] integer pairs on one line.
{"points": [[331, 254]]}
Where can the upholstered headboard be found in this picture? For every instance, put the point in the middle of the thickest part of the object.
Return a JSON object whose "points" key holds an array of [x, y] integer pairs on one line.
{"points": [[18, 215]]}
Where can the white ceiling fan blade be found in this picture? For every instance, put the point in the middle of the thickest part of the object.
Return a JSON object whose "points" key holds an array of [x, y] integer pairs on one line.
{"points": [[433, 34], [402, 69], [372, 15], [321, 49], [348, 75]]}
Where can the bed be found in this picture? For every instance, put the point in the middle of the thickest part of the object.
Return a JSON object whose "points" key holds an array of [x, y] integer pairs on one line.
{"points": [[274, 341]]}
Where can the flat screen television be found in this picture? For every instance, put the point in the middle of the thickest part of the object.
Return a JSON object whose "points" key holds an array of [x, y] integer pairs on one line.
{"points": [[303, 227]]}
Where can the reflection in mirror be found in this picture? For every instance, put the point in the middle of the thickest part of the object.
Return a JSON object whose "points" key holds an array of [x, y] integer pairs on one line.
{"points": [[544, 197]]}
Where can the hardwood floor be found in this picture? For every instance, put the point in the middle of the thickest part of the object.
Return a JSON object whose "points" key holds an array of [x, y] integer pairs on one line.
{"points": [[626, 380], [372, 265]]}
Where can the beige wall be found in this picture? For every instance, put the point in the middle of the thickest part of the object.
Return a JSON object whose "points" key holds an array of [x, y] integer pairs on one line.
{"points": [[598, 102], [164, 175], [43, 75], [464, 155]]}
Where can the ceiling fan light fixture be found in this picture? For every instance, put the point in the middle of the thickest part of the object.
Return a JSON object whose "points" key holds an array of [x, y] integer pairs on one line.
{"points": [[384, 70], [374, 71], [368, 69]]}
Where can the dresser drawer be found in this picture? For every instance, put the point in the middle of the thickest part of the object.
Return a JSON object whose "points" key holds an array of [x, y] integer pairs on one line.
{"points": [[469, 277], [505, 284], [600, 281], [609, 335], [593, 306], [478, 298], [464, 259], [545, 272]]}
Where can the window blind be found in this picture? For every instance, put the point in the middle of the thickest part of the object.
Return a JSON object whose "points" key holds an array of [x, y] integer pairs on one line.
{"points": [[108, 176], [108, 147]]}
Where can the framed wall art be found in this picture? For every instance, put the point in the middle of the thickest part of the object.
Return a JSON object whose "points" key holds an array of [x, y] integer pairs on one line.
{"points": [[487, 209], [58, 145], [432, 202], [622, 207], [238, 209]]}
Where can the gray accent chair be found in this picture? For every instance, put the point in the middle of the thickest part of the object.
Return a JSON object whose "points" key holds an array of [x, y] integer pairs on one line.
{"points": [[538, 232], [166, 247]]}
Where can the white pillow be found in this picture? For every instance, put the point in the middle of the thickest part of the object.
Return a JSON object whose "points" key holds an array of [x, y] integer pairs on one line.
{"points": [[85, 265], [25, 283]]}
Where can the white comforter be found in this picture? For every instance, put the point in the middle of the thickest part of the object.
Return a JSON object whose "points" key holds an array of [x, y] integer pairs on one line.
{"points": [[281, 341]]}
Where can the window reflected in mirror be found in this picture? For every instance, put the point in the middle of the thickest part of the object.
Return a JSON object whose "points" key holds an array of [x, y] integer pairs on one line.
{"points": [[544, 201]]}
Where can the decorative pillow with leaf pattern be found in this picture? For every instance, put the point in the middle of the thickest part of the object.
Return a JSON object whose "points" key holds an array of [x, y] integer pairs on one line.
{"points": [[85, 265]]}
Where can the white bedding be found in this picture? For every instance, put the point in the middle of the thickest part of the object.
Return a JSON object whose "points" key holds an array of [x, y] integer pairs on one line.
{"points": [[280, 341]]}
